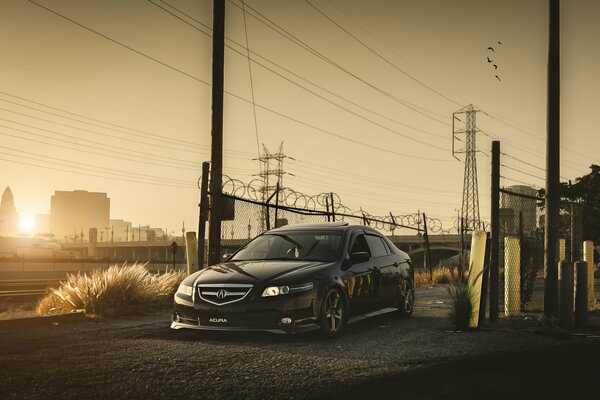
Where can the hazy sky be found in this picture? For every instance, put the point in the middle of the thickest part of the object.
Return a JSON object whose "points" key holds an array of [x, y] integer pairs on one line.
{"points": [[370, 122]]}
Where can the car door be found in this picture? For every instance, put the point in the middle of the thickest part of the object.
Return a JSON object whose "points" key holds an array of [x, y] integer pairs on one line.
{"points": [[361, 279], [386, 269]]}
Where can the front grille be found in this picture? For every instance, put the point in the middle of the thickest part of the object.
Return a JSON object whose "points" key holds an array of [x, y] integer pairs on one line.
{"points": [[223, 293]]}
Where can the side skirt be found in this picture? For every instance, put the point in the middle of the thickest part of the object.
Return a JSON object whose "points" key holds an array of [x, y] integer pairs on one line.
{"points": [[372, 314]]}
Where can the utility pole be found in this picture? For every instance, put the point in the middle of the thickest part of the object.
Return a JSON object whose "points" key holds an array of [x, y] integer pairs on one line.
{"points": [[552, 224], [216, 152], [495, 232]]}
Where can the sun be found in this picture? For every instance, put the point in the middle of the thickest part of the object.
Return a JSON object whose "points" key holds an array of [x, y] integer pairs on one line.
{"points": [[26, 222]]}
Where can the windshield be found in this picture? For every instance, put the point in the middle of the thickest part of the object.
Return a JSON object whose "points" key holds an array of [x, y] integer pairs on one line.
{"points": [[298, 246]]}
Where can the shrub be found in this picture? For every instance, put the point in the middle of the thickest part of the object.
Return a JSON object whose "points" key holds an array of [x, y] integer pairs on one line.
{"points": [[441, 276], [461, 308], [118, 290]]}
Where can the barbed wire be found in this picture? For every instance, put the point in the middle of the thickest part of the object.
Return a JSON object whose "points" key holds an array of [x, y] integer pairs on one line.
{"points": [[331, 203]]}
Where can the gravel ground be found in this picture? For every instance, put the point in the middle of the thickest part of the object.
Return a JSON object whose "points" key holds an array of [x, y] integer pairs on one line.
{"points": [[144, 358]]}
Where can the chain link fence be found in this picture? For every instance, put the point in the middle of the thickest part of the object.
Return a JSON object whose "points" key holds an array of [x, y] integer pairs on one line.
{"points": [[521, 251]]}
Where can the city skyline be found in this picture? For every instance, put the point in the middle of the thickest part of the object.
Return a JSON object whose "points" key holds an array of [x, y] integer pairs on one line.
{"points": [[372, 124]]}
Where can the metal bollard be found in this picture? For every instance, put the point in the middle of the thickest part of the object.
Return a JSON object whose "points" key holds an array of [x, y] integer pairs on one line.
{"points": [[512, 276], [562, 249], [581, 295], [565, 294], [476, 262], [588, 256], [191, 251]]}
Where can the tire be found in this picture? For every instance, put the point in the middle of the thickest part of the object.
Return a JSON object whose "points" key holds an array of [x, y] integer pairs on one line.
{"points": [[406, 299], [333, 313]]}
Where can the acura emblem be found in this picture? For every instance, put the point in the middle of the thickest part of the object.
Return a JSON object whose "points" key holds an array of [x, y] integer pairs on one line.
{"points": [[221, 294]]}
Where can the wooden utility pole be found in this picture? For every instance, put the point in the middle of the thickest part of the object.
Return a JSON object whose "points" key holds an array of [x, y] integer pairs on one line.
{"points": [[552, 224], [216, 154], [495, 232], [203, 214]]}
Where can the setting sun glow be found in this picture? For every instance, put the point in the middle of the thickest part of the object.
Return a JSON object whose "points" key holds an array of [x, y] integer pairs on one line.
{"points": [[26, 223]]}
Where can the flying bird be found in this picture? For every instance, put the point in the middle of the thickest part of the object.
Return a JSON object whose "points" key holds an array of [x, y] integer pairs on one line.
{"points": [[497, 77], [499, 42], [488, 60], [491, 48], [495, 67]]}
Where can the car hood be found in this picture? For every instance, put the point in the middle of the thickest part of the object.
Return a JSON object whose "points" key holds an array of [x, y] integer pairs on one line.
{"points": [[254, 271]]}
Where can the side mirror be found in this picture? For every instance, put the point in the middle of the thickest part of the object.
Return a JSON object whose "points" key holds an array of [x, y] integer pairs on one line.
{"points": [[226, 256]]}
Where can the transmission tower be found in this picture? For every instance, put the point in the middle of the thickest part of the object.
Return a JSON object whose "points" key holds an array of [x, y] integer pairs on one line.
{"points": [[464, 131], [271, 174]]}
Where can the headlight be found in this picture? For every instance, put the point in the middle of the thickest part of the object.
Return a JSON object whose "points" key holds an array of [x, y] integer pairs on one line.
{"points": [[279, 290], [185, 289], [275, 291]]}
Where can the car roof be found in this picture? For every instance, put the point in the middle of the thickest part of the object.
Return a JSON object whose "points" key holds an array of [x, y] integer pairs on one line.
{"points": [[332, 226]]}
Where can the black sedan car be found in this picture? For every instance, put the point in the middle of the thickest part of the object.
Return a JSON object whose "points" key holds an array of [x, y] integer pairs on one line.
{"points": [[299, 278]]}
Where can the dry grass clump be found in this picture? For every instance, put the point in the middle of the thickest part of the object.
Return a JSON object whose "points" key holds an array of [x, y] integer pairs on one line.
{"points": [[461, 308], [441, 276], [118, 290]]}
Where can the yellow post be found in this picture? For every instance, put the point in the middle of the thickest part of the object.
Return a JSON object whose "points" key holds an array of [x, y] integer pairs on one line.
{"points": [[588, 256], [191, 252], [562, 249], [512, 276], [476, 261]]}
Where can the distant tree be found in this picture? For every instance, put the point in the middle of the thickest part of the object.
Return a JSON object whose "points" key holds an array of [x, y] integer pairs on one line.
{"points": [[585, 191]]}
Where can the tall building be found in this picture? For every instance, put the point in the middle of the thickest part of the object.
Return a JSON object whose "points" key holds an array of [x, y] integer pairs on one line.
{"points": [[74, 212], [9, 218], [522, 206]]}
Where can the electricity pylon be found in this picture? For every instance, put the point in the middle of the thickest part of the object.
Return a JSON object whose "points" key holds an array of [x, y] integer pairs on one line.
{"points": [[467, 126]]}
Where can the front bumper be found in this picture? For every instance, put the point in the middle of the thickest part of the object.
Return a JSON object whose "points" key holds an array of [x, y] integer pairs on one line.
{"points": [[251, 314]]}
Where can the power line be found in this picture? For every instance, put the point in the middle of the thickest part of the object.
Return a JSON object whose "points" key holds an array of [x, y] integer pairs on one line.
{"points": [[313, 92], [311, 50], [395, 53], [519, 181], [339, 136], [251, 85], [521, 172], [162, 146], [237, 96], [46, 167], [143, 134], [116, 149], [381, 56], [63, 146], [119, 43], [91, 167]]}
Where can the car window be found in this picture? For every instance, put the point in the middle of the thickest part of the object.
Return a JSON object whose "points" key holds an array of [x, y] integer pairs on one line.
{"points": [[376, 245], [301, 246], [360, 245]]}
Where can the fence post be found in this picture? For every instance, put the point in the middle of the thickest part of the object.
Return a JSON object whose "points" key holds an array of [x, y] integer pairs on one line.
{"points": [[581, 296], [565, 294], [276, 204], [332, 208], [427, 248], [512, 276], [495, 232], [203, 215], [588, 256]]}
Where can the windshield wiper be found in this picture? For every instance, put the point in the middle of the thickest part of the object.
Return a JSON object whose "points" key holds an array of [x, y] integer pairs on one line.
{"points": [[289, 239]]}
